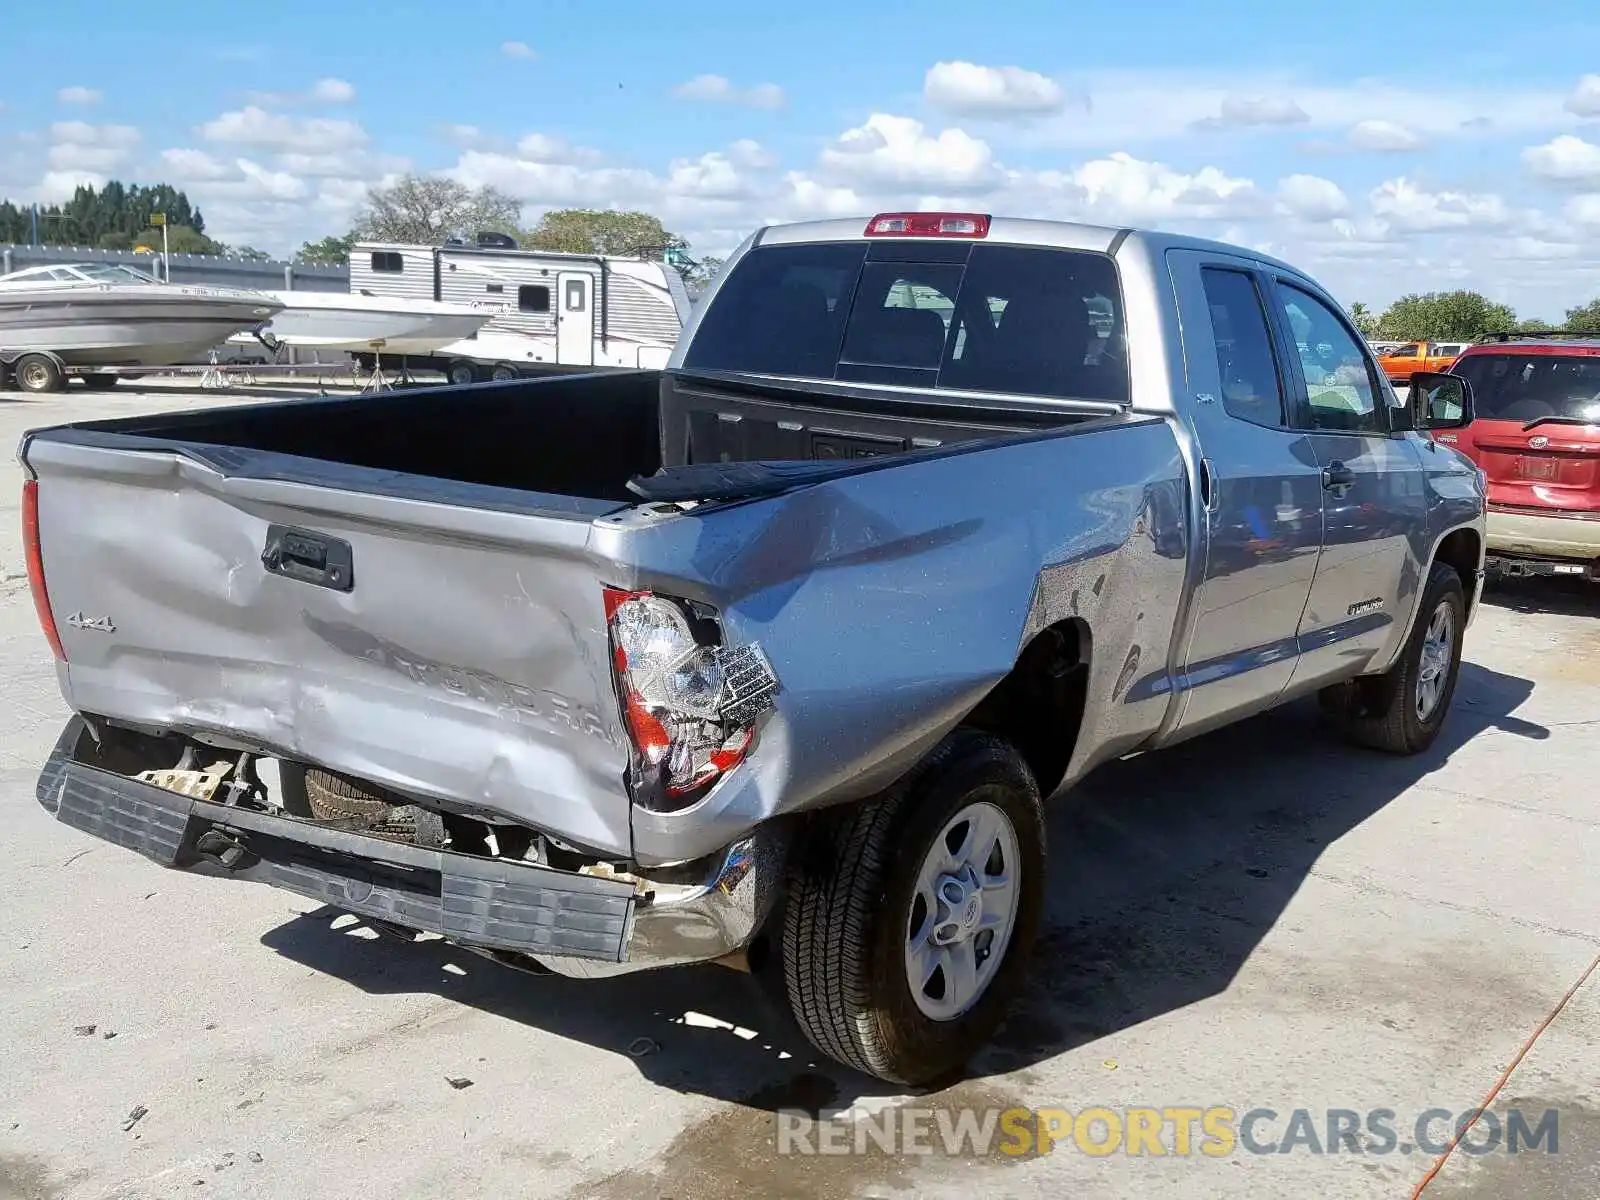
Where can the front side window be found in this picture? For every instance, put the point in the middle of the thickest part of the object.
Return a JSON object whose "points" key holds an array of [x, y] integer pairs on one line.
{"points": [[388, 262], [1340, 391], [1251, 387], [531, 298], [1016, 320]]}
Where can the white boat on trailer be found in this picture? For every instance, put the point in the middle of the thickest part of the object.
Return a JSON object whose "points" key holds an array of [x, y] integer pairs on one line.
{"points": [[89, 319], [361, 321]]}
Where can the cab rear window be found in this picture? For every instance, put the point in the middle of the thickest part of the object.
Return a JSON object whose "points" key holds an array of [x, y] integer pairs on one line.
{"points": [[1018, 320], [1525, 387]]}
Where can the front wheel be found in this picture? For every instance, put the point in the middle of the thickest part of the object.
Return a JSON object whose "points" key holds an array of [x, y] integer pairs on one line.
{"points": [[1402, 710], [100, 382], [910, 917]]}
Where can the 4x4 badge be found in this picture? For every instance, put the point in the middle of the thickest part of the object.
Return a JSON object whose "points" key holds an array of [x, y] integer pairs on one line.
{"points": [[99, 624]]}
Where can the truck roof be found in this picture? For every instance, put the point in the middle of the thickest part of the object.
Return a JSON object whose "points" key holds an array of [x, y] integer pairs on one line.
{"points": [[1028, 231]]}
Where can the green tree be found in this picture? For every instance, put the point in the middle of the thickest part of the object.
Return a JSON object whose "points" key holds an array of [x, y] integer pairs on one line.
{"points": [[600, 231], [115, 217], [1585, 318], [332, 251], [249, 252], [426, 210], [1530, 324], [181, 239], [1364, 319], [1445, 316]]}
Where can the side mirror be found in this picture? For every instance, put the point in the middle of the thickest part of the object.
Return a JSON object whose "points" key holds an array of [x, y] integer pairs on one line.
{"points": [[1440, 401]]}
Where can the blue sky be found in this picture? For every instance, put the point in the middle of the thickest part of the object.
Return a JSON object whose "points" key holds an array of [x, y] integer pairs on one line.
{"points": [[1387, 148]]}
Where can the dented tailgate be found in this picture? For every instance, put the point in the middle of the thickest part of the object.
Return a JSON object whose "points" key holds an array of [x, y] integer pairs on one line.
{"points": [[316, 611]]}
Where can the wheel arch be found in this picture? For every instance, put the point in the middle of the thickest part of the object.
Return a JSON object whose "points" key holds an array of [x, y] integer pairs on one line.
{"points": [[1038, 706]]}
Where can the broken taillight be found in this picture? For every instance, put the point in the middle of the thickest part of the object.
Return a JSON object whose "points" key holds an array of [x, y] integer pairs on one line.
{"points": [[35, 557], [690, 702]]}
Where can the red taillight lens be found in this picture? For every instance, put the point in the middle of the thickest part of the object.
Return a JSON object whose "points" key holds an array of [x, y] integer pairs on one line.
{"points": [[690, 703], [929, 224], [30, 541]]}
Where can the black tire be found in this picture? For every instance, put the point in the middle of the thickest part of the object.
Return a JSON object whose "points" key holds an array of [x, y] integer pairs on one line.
{"points": [[39, 373], [503, 373], [852, 892], [460, 372], [100, 383], [1381, 711]]}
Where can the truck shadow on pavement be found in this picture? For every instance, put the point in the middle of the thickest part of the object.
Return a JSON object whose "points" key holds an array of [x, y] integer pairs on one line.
{"points": [[1166, 872]]}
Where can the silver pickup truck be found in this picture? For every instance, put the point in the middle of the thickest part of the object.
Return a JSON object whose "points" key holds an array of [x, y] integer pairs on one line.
{"points": [[771, 657]]}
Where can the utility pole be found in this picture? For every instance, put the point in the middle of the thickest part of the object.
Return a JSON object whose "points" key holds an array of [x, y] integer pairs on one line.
{"points": [[166, 261]]}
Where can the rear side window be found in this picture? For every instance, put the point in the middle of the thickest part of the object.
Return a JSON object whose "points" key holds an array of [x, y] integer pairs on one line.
{"points": [[1251, 387], [1011, 319], [1525, 387]]}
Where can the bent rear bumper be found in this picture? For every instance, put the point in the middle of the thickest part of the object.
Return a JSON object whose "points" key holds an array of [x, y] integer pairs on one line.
{"points": [[572, 923]]}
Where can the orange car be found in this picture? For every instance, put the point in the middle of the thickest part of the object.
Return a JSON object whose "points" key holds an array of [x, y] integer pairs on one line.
{"points": [[1400, 365]]}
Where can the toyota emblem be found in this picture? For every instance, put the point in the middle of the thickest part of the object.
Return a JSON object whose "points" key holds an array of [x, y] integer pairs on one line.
{"points": [[1538, 442]]}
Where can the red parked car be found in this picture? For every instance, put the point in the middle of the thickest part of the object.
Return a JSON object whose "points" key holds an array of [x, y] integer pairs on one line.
{"points": [[1536, 436]]}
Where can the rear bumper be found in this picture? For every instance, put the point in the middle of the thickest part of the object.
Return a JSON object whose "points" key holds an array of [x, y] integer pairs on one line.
{"points": [[571, 923], [1536, 536]]}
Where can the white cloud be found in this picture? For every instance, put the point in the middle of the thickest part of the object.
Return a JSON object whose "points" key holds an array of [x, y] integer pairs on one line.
{"points": [[189, 166], [1383, 137], [1585, 98], [1565, 159], [323, 91], [543, 148], [1583, 210], [890, 151], [718, 89], [748, 153], [1313, 198], [969, 90], [1407, 207], [58, 186], [333, 91], [1128, 109], [273, 185], [76, 146], [80, 95], [252, 126], [1123, 189], [517, 50], [1244, 112]]}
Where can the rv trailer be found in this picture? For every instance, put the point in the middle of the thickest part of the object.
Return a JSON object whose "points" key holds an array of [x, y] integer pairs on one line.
{"points": [[553, 313]]}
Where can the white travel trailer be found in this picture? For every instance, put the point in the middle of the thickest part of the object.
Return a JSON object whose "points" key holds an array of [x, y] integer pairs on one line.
{"points": [[552, 312]]}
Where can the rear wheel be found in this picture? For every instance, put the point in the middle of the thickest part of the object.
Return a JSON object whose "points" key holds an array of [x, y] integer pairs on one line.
{"points": [[503, 373], [461, 373], [910, 918], [1402, 710], [39, 373]]}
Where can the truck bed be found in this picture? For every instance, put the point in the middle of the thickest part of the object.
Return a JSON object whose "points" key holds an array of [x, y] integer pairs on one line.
{"points": [[582, 437]]}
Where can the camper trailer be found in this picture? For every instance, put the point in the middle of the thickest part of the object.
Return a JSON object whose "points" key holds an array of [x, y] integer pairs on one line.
{"points": [[553, 313]]}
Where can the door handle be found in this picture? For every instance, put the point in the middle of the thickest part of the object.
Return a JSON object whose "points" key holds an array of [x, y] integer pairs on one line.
{"points": [[1336, 477], [309, 558]]}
